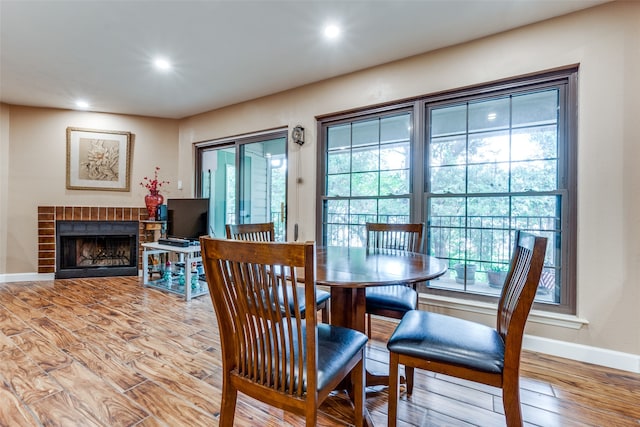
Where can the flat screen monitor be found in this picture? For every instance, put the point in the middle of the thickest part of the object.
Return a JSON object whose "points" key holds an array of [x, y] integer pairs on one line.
{"points": [[187, 218]]}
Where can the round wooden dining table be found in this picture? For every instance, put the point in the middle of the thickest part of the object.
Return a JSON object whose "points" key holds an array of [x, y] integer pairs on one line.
{"points": [[349, 271]]}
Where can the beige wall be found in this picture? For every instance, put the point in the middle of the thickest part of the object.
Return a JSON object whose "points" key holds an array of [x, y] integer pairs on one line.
{"points": [[36, 172], [4, 184], [605, 41]]}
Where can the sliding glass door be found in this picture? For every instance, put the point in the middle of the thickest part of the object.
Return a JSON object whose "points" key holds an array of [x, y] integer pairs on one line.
{"points": [[218, 183], [246, 181]]}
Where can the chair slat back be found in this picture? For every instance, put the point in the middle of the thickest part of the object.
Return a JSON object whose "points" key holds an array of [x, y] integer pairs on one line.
{"points": [[260, 343], [520, 288], [404, 237], [260, 232]]}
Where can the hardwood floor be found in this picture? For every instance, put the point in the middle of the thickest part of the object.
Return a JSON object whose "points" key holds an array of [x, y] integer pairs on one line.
{"points": [[108, 352]]}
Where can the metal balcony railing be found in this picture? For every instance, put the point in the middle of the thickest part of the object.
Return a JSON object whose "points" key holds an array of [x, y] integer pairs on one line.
{"points": [[483, 242]]}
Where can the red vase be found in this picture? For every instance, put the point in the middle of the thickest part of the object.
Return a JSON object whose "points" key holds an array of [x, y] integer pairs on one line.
{"points": [[152, 201]]}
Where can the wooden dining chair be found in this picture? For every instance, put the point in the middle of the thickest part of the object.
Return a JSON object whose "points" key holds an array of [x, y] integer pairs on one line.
{"points": [[265, 232], [282, 359], [469, 350], [259, 232], [394, 300]]}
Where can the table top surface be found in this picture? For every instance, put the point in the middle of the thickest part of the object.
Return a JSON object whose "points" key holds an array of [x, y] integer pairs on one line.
{"points": [[357, 267]]}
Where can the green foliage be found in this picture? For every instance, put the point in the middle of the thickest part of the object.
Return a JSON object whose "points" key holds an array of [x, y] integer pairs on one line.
{"points": [[486, 162]]}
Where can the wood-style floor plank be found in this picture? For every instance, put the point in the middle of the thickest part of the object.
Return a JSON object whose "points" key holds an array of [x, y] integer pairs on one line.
{"points": [[10, 324], [173, 410], [63, 410], [46, 355], [27, 380], [110, 352], [200, 365], [105, 403], [12, 411], [199, 393], [119, 375]]}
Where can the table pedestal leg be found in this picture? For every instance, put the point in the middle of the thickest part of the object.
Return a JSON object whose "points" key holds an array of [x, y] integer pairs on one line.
{"points": [[348, 310], [348, 307]]}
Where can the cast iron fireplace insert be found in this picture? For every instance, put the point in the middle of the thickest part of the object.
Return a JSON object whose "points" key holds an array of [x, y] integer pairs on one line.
{"points": [[96, 249]]}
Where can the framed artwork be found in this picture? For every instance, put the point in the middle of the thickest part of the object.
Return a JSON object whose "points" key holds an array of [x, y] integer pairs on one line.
{"points": [[98, 159]]}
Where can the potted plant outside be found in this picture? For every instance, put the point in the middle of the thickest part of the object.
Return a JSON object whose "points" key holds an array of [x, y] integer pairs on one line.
{"points": [[496, 275], [470, 273]]}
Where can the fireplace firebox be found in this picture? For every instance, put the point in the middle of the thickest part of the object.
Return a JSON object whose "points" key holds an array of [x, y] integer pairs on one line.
{"points": [[96, 248]]}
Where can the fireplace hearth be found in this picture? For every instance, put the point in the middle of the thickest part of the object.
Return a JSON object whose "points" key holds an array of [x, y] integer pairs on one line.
{"points": [[96, 248]]}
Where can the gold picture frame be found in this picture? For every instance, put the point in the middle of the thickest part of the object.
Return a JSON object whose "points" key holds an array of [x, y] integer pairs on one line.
{"points": [[98, 159]]}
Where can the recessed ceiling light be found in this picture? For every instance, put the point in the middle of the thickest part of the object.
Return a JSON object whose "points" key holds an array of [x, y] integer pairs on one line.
{"points": [[331, 31], [82, 104], [162, 64], [492, 116]]}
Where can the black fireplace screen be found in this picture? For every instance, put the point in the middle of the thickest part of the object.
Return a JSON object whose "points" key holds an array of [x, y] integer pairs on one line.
{"points": [[96, 251], [96, 248]]}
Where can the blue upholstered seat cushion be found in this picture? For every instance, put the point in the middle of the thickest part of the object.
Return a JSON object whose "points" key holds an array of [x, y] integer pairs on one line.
{"points": [[448, 339], [392, 297]]}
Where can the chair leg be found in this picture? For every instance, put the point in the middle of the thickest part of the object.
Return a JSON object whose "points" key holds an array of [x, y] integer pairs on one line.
{"points": [[311, 417], [511, 401], [393, 389], [325, 312], [408, 373], [357, 380], [369, 325], [228, 404]]}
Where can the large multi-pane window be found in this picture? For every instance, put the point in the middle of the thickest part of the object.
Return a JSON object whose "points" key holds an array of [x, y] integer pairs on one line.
{"points": [[479, 164], [367, 176], [493, 167]]}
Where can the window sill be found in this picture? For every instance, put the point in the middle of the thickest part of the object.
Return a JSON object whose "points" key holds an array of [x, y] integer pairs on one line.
{"points": [[478, 307]]}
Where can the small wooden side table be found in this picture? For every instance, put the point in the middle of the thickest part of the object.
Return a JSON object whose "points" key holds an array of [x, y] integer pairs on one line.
{"points": [[154, 230]]}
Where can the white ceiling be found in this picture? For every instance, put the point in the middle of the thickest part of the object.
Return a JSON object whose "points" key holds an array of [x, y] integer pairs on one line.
{"points": [[224, 52]]}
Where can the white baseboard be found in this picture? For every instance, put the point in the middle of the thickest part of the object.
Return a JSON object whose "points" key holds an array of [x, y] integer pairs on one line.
{"points": [[25, 277], [32, 277], [583, 353], [579, 352]]}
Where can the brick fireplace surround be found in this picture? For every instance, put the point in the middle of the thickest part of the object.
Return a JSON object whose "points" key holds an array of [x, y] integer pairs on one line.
{"points": [[48, 215]]}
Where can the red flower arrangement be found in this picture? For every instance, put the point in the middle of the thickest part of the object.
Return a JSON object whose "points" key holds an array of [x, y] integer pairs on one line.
{"points": [[153, 185]]}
